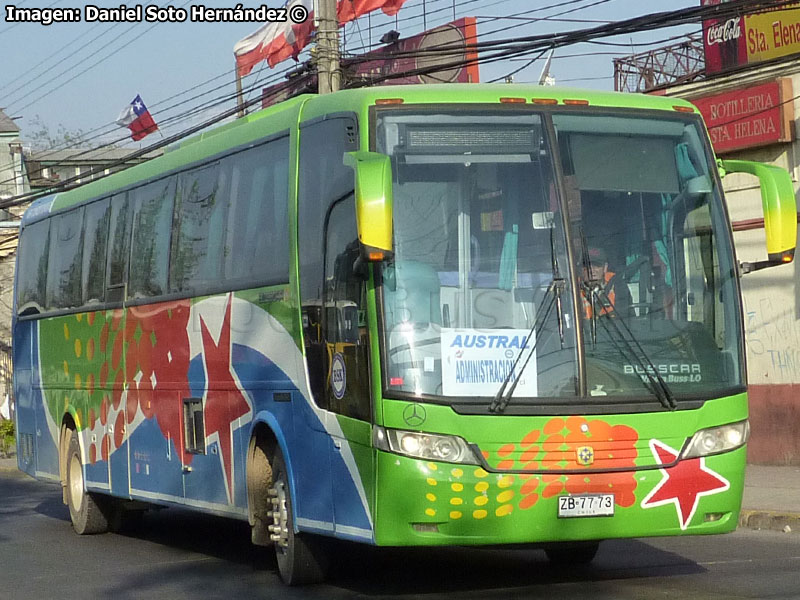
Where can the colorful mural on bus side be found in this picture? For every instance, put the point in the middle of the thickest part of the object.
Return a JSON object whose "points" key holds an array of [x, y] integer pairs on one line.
{"points": [[128, 373]]}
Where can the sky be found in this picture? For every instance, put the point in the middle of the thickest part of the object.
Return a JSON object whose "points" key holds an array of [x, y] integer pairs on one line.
{"points": [[79, 76]]}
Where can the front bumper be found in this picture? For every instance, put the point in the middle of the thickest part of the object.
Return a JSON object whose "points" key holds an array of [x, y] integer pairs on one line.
{"points": [[426, 503]]}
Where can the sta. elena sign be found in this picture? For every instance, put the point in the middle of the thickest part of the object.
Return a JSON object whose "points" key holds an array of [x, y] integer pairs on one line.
{"points": [[748, 39]]}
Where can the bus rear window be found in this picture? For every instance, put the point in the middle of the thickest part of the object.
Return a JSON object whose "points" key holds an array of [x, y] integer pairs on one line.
{"points": [[32, 268]]}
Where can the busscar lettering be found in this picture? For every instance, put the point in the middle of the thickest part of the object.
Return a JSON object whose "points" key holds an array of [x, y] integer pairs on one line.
{"points": [[663, 369], [669, 372], [43, 16]]}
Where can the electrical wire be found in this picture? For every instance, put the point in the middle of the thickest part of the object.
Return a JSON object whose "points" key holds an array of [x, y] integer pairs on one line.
{"points": [[93, 65], [72, 182], [191, 113], [501, 50]]}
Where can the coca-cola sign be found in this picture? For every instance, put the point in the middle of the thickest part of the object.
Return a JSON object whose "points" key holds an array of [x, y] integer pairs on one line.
{"points": [[724, 42], [724, 32], [750, 38]]}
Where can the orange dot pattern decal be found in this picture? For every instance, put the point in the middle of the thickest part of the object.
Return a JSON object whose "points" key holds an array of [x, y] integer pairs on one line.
{"points": [[474, 493], [556, 447]]}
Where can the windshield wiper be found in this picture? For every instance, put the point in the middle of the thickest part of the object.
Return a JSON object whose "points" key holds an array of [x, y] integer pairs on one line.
{"points": [[501, 398], [559, 287], [658, 386], [597, 294], [554, 291]]}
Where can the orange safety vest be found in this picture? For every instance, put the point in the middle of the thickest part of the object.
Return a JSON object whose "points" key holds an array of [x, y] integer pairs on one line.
{"points": [[604, 310]]}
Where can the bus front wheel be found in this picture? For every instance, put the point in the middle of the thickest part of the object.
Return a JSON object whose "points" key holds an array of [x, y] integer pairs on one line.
{"points": [[85, 509], [302, 558]]}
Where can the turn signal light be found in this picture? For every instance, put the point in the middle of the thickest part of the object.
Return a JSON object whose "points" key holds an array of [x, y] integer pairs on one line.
{"points": [[686, 109], [573, 102], [544, 101], [512, 100], [389, 101]]}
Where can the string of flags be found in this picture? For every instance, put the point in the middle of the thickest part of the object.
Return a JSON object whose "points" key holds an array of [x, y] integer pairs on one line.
{"points": [[276, 41]]}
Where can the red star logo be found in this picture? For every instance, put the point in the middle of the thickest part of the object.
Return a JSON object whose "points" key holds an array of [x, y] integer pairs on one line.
{"points": [[224, 400], [684, 484]]}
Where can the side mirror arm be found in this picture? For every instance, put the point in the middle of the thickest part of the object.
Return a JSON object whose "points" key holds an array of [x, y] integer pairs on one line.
{"points": [[779, 206]]}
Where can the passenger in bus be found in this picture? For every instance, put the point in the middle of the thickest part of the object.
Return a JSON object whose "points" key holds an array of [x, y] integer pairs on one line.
{"points": [[611, 295]]}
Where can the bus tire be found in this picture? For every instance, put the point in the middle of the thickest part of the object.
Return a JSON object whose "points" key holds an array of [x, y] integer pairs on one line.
{"points": [[572, 553], [86, 510], [302, 558]]}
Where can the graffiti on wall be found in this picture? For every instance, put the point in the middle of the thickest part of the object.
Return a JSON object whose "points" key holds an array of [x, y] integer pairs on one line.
{"points": [[772, 339]]}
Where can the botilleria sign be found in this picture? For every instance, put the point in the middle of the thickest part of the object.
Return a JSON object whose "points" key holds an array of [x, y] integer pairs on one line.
{"points": [[748, 117]]}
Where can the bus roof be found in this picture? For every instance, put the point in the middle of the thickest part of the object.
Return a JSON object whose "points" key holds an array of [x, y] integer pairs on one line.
{"points": [[485, 93], [282, 116]]}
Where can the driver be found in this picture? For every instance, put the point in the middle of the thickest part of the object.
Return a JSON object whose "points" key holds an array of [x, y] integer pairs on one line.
{"points": [[611, 295]]}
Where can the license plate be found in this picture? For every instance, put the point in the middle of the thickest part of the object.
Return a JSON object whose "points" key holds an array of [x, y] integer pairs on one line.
{"points": [[586, 505]]}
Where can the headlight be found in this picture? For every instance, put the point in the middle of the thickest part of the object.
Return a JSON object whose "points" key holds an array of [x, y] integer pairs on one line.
{"points": [[717, 439], [427, 446]]}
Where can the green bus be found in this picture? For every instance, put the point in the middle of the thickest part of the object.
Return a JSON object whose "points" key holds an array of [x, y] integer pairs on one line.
{"points": [[405, 316]]}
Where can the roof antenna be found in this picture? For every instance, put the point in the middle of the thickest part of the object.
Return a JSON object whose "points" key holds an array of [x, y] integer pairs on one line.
{"points": [[545, 78]]}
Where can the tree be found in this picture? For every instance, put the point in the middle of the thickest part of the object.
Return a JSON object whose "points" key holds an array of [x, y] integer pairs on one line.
{"points": [[40, 137]]}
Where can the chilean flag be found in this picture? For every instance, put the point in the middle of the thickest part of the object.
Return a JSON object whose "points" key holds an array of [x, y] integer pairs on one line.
{"points": [[137, 118], [276, 41]]}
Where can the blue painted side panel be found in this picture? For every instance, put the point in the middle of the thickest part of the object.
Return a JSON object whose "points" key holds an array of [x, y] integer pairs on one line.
{"points": [[24, 338], [155, 464], [231, 368]]}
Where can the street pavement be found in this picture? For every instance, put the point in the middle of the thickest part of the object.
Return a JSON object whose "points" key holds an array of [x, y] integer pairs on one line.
{"points": [[771, 496]]}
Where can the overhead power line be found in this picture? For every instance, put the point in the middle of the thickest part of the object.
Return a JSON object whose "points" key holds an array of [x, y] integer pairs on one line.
{"points": [[624, 27], [72, 182], [494, 50]]}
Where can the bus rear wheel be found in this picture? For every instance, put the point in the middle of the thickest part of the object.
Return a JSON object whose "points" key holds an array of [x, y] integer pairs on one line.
{"points": [[302, 558], [86, 510], [572, 553]]}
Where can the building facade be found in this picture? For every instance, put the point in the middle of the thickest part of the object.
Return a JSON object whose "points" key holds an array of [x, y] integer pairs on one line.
{"points": [[751, 116], [12, 175]]}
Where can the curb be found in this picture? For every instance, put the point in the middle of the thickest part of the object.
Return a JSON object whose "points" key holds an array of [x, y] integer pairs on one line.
{"points": [[786, 522], [9, 464]]}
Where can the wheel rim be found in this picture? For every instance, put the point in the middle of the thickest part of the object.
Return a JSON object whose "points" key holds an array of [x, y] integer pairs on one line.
{"points": [[75, 482], [280, 516]]}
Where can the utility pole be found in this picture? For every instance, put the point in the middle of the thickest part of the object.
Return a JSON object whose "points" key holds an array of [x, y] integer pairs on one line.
{"points": [[239, 96], [328, 70]]}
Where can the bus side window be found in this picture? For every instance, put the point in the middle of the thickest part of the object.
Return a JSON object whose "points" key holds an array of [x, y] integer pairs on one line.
{"points": [[32, 267], [256, 246], [95, 246], [152, 227], [119, 239], [64, 270], [200, 214]]}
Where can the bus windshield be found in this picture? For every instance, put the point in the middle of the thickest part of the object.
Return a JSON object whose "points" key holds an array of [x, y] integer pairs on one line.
{"points": [[600, 258]]}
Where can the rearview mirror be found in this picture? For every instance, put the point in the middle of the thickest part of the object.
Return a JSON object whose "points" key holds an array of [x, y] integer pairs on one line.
{"points": [[699, 186], [373, 190], [780, 211]]}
